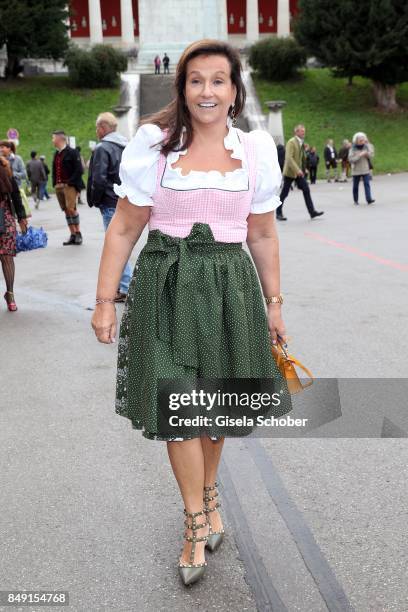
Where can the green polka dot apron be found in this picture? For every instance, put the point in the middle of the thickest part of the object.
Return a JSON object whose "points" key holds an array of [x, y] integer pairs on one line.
{"points": [[194, 309]]}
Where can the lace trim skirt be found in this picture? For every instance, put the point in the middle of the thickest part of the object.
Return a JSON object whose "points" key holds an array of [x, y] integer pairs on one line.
{"points": [[194, 310]]}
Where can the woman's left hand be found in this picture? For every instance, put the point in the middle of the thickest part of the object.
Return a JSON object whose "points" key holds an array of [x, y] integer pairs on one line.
{"points": [[23, 225], [276, 325]]}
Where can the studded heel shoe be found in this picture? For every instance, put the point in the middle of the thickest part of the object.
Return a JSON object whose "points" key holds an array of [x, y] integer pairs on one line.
{"points": [[191, 572], [215, 537]]}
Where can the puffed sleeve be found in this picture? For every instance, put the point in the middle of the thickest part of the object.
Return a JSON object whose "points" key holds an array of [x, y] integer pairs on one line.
{"points": [[138, 166], [268, 175]]}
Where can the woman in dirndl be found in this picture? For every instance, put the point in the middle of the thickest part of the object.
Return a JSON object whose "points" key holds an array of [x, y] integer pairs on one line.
{"points": [[195, 307]]}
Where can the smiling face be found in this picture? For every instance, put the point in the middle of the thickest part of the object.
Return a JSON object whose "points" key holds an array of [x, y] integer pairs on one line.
{"points": [[209, 91]]}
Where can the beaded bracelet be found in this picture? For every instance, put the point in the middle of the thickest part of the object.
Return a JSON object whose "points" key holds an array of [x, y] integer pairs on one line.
{"points": [[108, 301]]}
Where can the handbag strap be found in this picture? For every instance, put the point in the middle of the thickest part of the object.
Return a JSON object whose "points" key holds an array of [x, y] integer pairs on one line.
{"points": [[304, 368], [295, 361]]}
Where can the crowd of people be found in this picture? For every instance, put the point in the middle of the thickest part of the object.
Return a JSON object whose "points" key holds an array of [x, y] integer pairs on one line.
{"points": [[32, 178], [338, 164], [298, 162], [67, 171]]}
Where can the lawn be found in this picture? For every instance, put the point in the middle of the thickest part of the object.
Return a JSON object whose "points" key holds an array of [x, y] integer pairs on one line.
{"points": [[39, 105], [329, 108]]}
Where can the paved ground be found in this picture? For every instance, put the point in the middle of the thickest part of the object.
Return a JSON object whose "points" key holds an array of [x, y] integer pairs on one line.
{"points": [[316, 524]]}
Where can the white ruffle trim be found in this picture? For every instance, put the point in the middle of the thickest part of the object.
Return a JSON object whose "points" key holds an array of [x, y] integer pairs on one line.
{"points": [[233, 180]]}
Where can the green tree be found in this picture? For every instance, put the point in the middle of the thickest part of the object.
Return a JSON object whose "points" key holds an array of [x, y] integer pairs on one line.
{"points": [[33, 28], [99, 66], [277, 59], [367, 38]]}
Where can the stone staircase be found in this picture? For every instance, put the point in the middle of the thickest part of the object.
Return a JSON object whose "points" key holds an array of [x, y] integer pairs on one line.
{"points": [[135, 66], [156, 92]]}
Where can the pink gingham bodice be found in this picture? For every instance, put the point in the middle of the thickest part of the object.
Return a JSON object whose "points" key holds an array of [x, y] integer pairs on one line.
{"points": [[223, 201], [225, 211]]}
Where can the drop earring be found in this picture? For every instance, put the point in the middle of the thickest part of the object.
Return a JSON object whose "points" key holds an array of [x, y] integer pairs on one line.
{"points": [[233, 118]]}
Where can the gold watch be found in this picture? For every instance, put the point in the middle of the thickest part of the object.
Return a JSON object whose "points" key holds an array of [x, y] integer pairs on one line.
{"points": [[274, 299]]}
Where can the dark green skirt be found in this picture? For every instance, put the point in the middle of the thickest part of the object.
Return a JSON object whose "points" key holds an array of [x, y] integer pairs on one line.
{"points": [[194, 310]]}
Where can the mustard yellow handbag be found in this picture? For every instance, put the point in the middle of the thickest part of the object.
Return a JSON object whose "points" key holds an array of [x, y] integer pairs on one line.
{"points": [[286, 364]]}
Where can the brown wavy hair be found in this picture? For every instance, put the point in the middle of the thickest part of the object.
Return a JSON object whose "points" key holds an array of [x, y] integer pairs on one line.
{"points": [[8, 143], [176, 114], [5, 175]]}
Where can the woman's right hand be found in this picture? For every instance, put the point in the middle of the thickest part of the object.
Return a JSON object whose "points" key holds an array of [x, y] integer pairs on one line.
{"points": [[276, 324], [104, 322]]}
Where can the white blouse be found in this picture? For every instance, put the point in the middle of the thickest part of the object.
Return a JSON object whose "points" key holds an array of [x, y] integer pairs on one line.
{"points": [[138, 169]]}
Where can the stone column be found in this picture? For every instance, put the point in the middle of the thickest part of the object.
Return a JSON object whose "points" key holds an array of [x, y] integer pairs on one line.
{"points": [[283, 28], [214, 17], [275, 124], [95, 21], [126, 18], [68, 22], [252, 21], [169, 26]]}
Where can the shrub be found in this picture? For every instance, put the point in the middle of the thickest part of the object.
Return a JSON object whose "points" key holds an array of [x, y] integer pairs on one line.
{"points": [[277, 59], [98, 67]]}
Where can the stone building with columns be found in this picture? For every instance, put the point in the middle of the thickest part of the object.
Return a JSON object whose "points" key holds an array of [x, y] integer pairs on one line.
{"points": [[124, 23]]}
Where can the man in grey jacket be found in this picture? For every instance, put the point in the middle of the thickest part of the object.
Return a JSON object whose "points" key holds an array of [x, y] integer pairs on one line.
{"points": [[36, 175], [103, 174]]}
